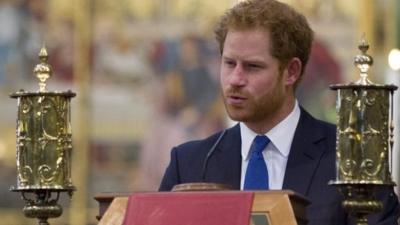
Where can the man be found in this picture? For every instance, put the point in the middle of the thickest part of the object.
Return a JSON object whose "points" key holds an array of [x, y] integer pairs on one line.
{"points": [[265, 46]]}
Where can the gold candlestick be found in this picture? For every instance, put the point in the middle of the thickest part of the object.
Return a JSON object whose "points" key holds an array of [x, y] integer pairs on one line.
{"points": [[363, 146], [44, 146]]}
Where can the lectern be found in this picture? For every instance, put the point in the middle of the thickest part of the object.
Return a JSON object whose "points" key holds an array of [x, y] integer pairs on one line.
{"points": [[205, 208]]}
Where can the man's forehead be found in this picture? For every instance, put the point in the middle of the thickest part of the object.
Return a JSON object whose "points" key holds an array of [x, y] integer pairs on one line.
{"points": [[246, 42]]}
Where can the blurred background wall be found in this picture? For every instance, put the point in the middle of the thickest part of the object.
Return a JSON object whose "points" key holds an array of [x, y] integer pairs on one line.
{"points": [[146, 78]]}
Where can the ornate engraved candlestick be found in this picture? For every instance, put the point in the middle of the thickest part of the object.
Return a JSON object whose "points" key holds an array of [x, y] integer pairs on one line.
{"points": [[44, 146], [364, 140]]}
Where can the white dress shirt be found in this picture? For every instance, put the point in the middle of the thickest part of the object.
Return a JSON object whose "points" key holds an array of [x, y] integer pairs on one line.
{"points": [[277, 151]]}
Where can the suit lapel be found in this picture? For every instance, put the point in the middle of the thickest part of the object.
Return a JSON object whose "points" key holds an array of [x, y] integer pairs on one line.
{"points": [[306, 151], [309, 145], [225, 164]]}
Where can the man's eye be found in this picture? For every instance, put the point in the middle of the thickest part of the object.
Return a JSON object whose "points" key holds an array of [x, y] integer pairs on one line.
{"points": [[230, 63], [253, 66]]}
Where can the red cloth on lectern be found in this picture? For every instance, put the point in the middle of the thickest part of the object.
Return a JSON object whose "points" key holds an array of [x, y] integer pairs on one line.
{"points": [[189, 208]]}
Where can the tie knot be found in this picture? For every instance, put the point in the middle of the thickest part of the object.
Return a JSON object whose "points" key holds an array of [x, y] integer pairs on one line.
{"points": [[259, 143]]}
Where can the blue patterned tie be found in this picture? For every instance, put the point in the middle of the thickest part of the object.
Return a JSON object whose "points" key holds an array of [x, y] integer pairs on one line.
{"points": [[257, 174]]}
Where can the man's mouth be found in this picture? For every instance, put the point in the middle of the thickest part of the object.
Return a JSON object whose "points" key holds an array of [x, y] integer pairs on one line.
{"points": [[235, 99]]}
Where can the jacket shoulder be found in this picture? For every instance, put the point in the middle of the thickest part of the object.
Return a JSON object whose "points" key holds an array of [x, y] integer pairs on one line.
{"points": [[202, 146]]}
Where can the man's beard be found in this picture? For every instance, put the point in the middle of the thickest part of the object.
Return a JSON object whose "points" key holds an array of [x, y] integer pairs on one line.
{"points": [[255, 110]]}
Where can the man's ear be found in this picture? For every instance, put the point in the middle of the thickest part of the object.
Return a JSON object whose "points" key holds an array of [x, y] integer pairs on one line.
{"points": [[293, 70]]}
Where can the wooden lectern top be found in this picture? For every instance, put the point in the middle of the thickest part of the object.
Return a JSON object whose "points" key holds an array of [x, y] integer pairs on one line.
{"points": [[278, 207]]}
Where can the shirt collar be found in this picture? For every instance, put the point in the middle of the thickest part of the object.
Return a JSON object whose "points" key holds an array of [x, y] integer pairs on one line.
{"points": [[281, 135]]}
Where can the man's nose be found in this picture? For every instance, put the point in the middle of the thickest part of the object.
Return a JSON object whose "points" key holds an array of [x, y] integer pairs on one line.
{"points": [[238, 77]]}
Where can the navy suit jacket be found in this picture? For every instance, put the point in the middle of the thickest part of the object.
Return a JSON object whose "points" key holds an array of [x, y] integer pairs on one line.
{"points": [[310, 166]]}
